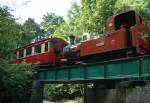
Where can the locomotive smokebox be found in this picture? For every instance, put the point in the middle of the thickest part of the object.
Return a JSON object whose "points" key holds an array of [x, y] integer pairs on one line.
{"points": [[72, 40], [69, 51]]}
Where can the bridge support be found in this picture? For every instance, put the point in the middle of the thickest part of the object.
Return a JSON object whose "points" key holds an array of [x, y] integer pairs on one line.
{"points": [[92, 94], [85, 93], [97, 94], [37, 92]]}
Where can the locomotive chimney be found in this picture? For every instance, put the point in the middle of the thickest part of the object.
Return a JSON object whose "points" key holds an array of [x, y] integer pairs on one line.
{"points": [[72, 40]]}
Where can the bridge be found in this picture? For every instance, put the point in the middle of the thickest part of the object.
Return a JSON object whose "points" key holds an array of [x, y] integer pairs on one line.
{"points": [[135, 70], [130, 68]]}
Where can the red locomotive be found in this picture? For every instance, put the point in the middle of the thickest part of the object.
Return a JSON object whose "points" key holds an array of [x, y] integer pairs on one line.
{"points": [[46, 51], [126, 36]]}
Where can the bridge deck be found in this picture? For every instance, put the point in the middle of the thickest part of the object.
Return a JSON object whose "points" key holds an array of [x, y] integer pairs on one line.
{"points": [[137, 68]]}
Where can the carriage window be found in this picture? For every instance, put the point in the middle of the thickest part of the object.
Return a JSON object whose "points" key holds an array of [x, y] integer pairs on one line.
{"points": [[29, 51], [20, 53], [84, 37], [38, 49], [17, 54], [53, 43], [46, 46]]}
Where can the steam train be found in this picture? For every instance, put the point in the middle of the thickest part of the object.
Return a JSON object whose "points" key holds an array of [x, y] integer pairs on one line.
{"points": [[127, 35]]}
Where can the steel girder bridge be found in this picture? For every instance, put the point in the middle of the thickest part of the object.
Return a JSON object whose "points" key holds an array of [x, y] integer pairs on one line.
{"points": [[134, 70], [137, 68]]}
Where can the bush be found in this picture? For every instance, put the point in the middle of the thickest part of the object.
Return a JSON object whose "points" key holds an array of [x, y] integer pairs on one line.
{"points": [[61, 91], [15, 83]]}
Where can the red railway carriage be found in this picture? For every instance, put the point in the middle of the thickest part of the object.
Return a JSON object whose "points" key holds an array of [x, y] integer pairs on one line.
{"points": [[126, 35], [46, 51]]}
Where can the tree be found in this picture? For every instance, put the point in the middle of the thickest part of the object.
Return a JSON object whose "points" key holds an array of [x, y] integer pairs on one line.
{"points": [[15, 80], [141, 6], [8, 32], [71, 27], [51, 22], [30, 31], [89, 17], [73, 12], [94, 14]]}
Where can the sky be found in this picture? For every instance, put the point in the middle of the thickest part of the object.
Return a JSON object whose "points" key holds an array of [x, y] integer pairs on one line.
{"points": [[23, 9]]}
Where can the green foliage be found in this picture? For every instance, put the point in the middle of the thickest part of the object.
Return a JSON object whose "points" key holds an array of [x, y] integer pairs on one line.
{"points": [[15, 80], [91, 15], [51, 22], [30, 31], [61, 91], [8, 32], [74, 10], [71, 27], [62, 36], [141, 6]]}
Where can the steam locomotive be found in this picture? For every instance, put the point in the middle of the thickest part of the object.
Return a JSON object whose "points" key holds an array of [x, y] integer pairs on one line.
{"points": [[127, 35]]}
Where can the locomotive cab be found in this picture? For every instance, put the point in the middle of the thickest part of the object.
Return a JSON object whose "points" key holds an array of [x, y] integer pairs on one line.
{"points": [[136, 32], [125, 20]]}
